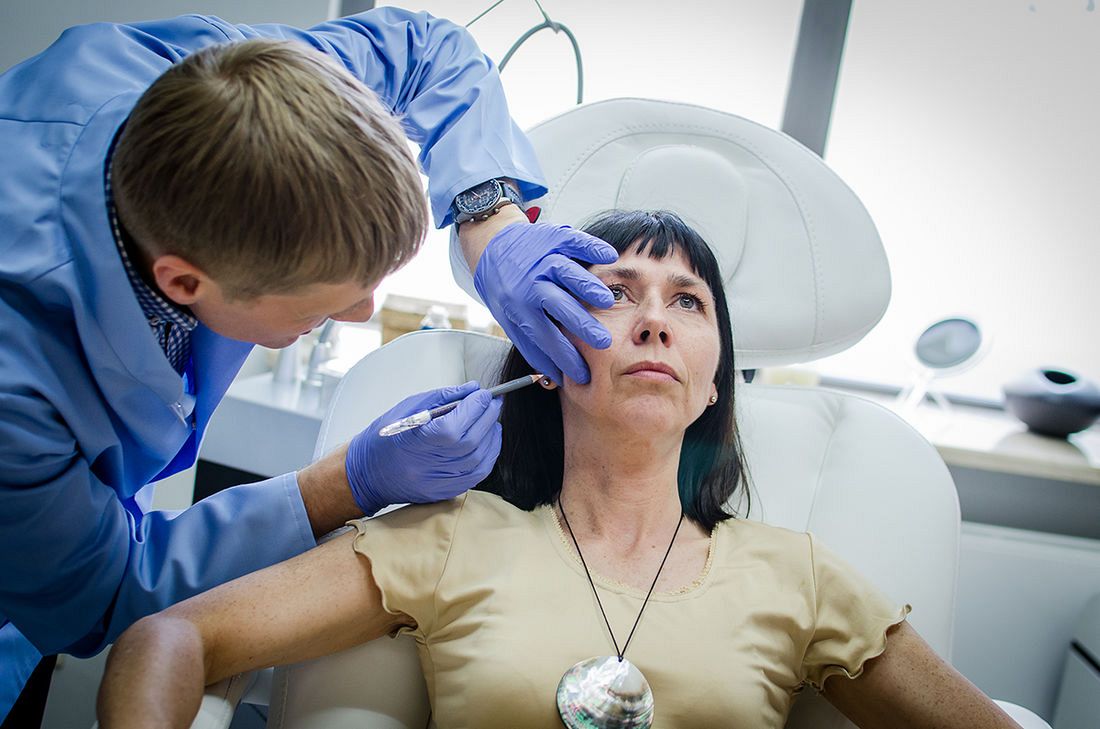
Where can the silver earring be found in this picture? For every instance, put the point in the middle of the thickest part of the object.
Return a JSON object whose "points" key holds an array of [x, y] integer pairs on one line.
{"points": [[713, 399]]}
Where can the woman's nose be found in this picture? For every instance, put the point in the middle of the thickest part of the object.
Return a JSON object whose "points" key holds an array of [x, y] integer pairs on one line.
{"points": [[652, 323]]}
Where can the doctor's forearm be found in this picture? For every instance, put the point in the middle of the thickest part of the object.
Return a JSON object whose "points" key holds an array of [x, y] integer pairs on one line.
{"points": [[326, 493]]}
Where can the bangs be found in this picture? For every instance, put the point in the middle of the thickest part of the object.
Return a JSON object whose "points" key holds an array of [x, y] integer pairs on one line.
{"points": [[657, 234]]}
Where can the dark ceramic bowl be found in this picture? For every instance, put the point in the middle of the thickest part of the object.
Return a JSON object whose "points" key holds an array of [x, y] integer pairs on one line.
{"points": [[1053, 401]]}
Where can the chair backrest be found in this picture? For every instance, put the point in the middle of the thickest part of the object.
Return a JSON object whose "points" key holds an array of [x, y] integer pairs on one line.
{"points": [[805, 276]]}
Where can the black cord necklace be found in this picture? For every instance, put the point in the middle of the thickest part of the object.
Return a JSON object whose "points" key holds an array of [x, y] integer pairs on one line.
{"points": [[608, 692]]}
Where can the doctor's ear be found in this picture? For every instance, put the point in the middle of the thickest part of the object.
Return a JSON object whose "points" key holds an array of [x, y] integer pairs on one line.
{"points": [[179, 280]]}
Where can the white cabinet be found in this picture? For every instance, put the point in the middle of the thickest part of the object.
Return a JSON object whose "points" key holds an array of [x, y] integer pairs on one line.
{"points": [[1020, 596]]}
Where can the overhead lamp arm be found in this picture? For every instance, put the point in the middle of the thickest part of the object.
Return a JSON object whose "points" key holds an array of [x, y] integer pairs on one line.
{"points": [[546, 24]]}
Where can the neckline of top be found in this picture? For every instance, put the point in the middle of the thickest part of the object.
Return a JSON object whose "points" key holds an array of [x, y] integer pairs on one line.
{"points": [[565, 549]]}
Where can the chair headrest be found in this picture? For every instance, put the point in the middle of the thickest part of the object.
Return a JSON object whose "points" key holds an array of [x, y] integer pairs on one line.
{"points": [[806, 275]]}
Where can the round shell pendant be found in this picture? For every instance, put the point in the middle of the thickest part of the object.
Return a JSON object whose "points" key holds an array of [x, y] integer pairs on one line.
{"points": [[605, 693]]}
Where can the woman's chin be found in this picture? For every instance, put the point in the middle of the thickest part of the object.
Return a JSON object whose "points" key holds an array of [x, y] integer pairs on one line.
{"points": [[650, 417]]}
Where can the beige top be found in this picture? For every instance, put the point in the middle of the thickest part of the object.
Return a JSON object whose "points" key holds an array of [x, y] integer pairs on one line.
{"points": [[503, 609]]}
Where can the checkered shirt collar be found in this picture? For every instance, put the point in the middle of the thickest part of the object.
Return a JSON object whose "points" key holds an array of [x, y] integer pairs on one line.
{"points": [[156, 308]]}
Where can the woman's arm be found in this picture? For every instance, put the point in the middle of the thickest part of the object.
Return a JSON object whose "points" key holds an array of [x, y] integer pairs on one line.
{"points": [[910, 686], [317, 603]]}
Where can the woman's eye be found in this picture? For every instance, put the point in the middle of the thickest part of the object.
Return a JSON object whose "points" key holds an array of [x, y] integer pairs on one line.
{"points": [[687, 301], [617, 292]]}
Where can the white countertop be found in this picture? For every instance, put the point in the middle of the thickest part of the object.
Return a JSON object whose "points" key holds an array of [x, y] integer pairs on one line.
{"points": [[994, 440]]}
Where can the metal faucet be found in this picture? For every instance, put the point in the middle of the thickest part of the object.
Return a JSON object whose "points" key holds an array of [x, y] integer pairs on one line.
{"points": [[322, 352]]}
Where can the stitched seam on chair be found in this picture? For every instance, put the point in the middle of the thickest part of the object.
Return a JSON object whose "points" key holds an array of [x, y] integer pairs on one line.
{"points": [[284, 678], [706, 130], [813, 577], [229, 686], [638, 129], [824, 459], [229, 708]]}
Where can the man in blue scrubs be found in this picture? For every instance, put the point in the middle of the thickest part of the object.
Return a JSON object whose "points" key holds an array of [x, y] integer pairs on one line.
{"points": [[167, 203]]}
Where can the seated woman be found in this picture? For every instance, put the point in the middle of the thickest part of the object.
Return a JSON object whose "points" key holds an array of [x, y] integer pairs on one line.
{"points": [[603, 531]]}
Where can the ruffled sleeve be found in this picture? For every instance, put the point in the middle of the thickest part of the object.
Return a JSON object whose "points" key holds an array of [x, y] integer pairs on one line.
{"points": [[408, 551], [851, 621]]}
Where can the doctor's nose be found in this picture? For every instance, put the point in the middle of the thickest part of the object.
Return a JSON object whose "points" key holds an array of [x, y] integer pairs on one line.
{"points": [[360, 313]]}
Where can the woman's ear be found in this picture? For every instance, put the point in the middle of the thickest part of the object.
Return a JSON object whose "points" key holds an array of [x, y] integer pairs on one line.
{"points": [[713, 394], [548, 384]]}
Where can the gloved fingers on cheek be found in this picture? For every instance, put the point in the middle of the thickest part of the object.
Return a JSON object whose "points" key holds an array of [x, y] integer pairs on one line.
{"points": [[567, 357], [571, 315], [532, 339], [583, 284], [581, 245]]}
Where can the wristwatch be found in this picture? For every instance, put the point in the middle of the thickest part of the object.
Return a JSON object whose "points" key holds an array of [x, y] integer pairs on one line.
{"points": [[484, 200]]}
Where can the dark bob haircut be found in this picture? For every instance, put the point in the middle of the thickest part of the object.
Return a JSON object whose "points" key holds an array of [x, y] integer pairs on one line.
{"points": [[529, 471]]}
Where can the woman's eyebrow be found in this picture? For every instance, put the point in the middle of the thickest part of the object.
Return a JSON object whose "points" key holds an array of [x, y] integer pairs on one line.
{"points": [[682, 280], [623, 272]]}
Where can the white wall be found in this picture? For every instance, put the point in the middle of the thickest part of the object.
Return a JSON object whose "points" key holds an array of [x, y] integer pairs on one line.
{"points": [[969, 129]]}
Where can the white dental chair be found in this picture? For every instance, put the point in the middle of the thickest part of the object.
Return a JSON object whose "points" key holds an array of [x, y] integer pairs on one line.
{"points": [[806, 277]]}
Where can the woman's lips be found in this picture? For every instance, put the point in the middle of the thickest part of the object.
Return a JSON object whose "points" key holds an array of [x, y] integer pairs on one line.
{"points": [[657, 371], [652, 375]]}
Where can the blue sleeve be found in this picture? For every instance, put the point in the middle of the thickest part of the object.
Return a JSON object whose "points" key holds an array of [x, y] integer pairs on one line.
{"points": [[447, 92], [79, 567]]}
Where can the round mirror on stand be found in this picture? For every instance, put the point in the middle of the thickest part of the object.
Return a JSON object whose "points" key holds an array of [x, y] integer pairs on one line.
{"points": [[946, 347]]}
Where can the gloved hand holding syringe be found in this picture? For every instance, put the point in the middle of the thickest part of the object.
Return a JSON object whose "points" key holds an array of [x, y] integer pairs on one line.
{"points": [[425, 416]]}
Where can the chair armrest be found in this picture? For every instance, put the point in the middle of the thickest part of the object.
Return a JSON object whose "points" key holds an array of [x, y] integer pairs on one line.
{"points": [[220, 700], [1025, 718]]}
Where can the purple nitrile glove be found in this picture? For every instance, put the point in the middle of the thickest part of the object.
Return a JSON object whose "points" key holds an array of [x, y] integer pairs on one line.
{"points": [[436, 461], [526, 275]]}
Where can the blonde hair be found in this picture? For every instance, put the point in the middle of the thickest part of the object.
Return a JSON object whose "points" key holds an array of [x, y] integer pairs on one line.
{"points": [[270, 167]]}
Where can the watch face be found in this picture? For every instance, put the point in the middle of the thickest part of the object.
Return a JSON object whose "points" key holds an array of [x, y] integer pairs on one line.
{"points": [[478, 199]]}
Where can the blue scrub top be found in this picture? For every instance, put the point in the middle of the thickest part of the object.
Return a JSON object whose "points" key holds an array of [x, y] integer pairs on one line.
{"points": [[91, 412]]}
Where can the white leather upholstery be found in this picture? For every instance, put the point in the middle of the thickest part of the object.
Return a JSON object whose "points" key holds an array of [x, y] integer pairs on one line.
{"points": [[866, 483], [806, 275]]}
